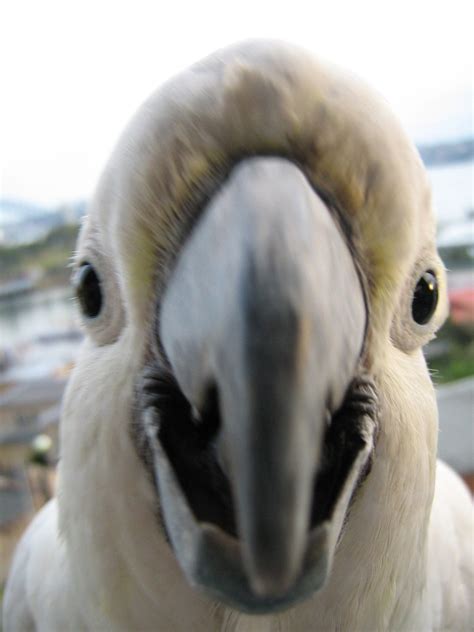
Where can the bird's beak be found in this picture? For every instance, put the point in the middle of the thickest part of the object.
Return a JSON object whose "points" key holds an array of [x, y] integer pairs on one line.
{"points": [[264, 315]]}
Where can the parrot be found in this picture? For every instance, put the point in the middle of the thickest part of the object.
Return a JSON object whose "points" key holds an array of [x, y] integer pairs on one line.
{"points": [[248, 439]]}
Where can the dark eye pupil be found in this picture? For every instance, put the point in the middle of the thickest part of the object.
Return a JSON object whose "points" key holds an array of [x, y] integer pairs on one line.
{"points": [[88, 290], [425, 298]]}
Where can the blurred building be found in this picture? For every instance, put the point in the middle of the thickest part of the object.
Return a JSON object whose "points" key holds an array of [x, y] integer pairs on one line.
{"points": [[28, 411]]}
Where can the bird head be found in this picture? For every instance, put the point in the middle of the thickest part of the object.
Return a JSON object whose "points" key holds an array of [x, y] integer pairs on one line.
{"points": [[257, 266]]}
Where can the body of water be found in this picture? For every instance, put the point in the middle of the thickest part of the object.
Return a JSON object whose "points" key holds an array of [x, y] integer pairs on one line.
{"points": [[38, 334], [25, 317]]}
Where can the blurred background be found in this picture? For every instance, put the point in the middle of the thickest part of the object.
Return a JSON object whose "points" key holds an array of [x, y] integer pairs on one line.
{"points": [[73, 74]]}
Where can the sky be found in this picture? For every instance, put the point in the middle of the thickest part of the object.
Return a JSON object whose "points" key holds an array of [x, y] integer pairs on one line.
{"points": [[73, 73]]}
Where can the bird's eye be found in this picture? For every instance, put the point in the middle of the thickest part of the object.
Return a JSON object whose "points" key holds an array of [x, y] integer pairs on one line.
{"points": [[425, 298], [88, 290]]}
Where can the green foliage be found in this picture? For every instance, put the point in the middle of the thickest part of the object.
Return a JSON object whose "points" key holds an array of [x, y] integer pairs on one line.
{"points": [[453, 366], [457, 361]]}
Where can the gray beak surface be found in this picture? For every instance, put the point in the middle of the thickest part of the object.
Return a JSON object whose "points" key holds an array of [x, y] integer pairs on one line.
{"points": [[265, 306]]}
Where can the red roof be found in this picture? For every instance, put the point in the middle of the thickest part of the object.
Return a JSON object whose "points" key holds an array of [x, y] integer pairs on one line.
{"points": [[461, 303]]}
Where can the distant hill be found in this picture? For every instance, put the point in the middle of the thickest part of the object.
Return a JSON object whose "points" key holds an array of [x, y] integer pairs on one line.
{"points": [[44, 260], [446, 153], [12, 211], [23, 222]]}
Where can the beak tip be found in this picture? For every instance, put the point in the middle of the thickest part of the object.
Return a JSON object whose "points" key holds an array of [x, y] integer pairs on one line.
{"points": [[271, 578], [270, 586]]}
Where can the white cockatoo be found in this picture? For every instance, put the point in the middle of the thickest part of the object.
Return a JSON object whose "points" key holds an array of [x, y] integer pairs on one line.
{"points": [[248, 440]]}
